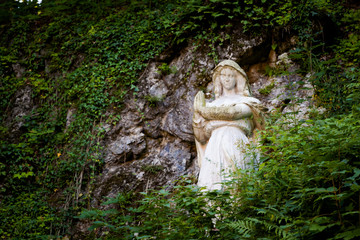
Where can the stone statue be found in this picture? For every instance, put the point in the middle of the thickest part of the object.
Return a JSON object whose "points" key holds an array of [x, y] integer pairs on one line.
{"points": [[223, 127]]}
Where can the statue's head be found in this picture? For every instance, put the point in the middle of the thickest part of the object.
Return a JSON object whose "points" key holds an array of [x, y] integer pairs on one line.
{"points": [[241, 84]]}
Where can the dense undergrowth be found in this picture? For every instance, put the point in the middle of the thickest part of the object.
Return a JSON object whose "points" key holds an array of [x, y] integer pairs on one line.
{"points": [[85, 56]]}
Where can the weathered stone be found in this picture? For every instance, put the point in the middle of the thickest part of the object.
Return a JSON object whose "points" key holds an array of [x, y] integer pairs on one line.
{"points": [[178, 153], [70, 116], [290, 93], [158, 90], [178, 121], [23, 106], [153, 143], [164, 162], [125, 147], [152, 128], [18, 69]]}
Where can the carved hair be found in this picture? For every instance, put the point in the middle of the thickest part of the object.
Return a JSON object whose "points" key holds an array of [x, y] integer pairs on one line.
{"points": [[241, 86]]}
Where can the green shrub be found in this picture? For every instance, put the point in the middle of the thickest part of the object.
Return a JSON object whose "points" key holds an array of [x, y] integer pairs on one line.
{"points": [[307, 186]]}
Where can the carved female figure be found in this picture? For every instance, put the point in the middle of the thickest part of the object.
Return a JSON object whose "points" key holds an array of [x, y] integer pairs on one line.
{"points": [[223, 127]]}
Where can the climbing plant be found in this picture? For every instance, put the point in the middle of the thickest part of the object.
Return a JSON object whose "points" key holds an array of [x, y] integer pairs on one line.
{"points": [[78, 59]]}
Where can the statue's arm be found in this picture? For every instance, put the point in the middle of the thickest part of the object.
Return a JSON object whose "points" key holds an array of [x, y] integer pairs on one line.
{"points": [[200, 136], [198, 120], [199, 128], [234, 112]]}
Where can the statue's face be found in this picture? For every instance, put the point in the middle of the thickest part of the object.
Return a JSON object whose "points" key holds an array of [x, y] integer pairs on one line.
{"points": [[228, 78]]}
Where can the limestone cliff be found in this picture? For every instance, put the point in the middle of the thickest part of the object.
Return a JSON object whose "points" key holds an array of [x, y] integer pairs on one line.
{"points": [[153, 144]]}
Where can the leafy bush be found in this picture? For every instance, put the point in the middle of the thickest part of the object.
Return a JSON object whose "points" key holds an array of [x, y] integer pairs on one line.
{"points": [[306, 187], [28, 216]]}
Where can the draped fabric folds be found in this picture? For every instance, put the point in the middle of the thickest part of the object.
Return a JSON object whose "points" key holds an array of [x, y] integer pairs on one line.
{"points": [[224, 145]]}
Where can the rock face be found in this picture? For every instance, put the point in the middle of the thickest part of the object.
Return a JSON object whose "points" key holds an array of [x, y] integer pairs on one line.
{"points": [[23, 106], [153, 143], [289, 93]]}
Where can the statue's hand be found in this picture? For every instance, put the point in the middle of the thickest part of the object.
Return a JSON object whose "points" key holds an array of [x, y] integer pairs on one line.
{"points": [[199, 101]]}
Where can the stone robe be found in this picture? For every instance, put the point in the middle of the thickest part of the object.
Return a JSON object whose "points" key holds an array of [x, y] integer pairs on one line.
{"points": [[228, 143]]}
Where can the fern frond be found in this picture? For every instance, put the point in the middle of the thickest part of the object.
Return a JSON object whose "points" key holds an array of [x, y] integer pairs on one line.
{"points": [[243, 227]]}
